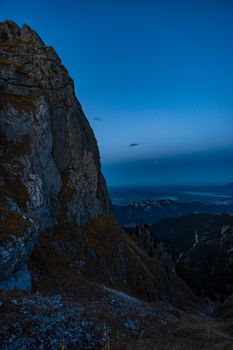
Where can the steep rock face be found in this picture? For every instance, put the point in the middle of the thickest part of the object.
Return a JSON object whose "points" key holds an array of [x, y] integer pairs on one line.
{"points": [[49, 157]]}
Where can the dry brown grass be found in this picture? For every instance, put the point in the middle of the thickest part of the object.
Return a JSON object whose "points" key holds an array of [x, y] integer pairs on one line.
{"points": [[18, 101], [184, 334], [54, 259], [109, 256], [5, 61], [60, 250], [103, 234], [12, 223], [13, 187], [11, 148], [9, 44]]}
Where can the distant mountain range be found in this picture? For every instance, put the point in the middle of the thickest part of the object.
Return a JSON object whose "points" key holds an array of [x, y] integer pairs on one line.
{"points": [[153, 211], [230, 185]]}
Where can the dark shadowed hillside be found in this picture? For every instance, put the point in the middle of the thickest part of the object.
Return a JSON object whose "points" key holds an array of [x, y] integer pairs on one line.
{"points": [[202, 246]]}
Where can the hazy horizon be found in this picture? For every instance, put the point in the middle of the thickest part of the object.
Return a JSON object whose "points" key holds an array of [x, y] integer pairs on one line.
{"points": [[201, 169]]}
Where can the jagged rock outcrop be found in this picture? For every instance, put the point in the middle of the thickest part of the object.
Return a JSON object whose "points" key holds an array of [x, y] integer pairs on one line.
{"points": [[145, 238], [202, 247], [49, 159]]}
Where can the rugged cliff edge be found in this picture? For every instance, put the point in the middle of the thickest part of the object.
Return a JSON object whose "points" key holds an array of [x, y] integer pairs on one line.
{"points": [[50, 165]]}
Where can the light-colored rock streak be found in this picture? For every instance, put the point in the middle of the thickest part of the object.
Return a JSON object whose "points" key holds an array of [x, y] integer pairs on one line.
{"points": [[179, 257], [196, 240], [35, 190]]}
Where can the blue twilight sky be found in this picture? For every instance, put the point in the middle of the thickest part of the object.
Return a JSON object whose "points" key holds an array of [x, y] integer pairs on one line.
{"points": [[156, 75]]}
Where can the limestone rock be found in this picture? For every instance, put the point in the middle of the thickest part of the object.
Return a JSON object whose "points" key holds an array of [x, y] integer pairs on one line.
{"points": [[49, 157], [18, 235]]}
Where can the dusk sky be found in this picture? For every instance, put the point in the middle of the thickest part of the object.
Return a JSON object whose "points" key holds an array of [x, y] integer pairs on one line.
{"points": [[155, 79]]}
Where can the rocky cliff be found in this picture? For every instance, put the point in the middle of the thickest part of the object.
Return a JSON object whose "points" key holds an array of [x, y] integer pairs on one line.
{"points": [[50, 164]]}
